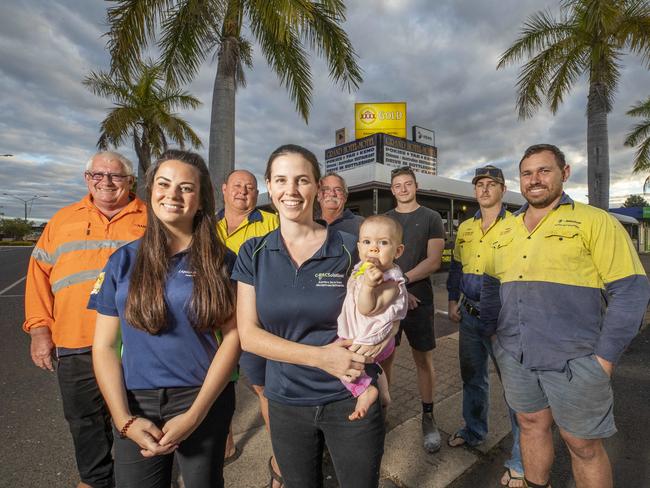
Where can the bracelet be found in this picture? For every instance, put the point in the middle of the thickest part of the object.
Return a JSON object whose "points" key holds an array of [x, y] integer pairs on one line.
{"points": [[126, 426]]}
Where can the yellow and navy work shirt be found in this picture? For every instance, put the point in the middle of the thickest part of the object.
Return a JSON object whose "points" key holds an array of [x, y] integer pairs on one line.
{"points": [[571, 287], [471, 250], [258, 223]]}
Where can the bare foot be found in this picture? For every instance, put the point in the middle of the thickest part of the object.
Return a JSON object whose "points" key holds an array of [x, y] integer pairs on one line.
{"points": [[513, 479], [231, 449], [364, 401]]}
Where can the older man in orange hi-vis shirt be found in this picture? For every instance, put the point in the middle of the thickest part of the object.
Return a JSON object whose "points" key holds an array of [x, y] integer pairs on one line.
{"points": [[64, 265]]}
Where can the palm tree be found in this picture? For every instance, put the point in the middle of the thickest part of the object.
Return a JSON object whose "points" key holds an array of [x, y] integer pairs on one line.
{"points": [[143, 109], [589, 38], [640, 136], [189, 30]]}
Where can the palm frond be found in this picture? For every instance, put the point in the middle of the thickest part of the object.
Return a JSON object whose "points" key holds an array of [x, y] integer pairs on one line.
{"points": [[535, 77], [321, 29], [565, 76], [634, 28], [286, 55], [184, 31], [103, 85], [642, 157], [117, 125], [641, 109], [540, 32], [132, 27], [640, 136]]}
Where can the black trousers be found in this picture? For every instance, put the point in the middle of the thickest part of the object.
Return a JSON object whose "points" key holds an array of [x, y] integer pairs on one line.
{"points": [[88, 419], [299, 434], [200, 456]]}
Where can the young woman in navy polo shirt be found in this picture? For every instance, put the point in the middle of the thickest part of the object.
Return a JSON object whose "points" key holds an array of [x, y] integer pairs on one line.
{"points": [[163, 298], [292, 283]]}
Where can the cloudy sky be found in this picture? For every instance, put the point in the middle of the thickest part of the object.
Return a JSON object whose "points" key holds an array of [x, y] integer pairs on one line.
{"points": [[439, 57]]}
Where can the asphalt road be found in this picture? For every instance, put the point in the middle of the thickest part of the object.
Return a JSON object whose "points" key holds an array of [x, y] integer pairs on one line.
{"points": [[36, 450]]}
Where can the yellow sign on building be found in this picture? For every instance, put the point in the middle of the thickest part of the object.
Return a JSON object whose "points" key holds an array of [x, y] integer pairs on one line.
{"points": [[389, 118]]}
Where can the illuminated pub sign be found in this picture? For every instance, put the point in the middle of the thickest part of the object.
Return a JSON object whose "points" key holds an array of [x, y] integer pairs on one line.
{"points": [[387, 118], [384, 149]]}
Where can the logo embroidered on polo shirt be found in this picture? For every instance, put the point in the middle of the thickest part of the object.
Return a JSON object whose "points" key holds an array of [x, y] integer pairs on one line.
{"points": [[98, 284], [331, 280]]}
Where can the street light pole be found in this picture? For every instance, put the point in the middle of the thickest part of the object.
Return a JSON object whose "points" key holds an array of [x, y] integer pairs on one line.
{"points": [[26, 201]]}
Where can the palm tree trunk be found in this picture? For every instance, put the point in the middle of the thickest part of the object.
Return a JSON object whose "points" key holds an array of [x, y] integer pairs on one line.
{"points": [[597, 147], [143, 151], [221, 153]]}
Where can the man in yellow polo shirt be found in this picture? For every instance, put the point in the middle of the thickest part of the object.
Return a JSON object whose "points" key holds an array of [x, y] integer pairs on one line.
{"points": [[566, 293], [471, 251], [239, 221]]}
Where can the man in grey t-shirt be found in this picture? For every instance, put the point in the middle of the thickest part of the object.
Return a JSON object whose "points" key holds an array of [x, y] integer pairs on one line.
{"points": [[424, 241]]}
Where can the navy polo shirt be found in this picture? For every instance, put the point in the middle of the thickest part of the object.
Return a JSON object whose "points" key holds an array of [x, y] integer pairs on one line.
{"points": [[179, 356], [300, 305]]}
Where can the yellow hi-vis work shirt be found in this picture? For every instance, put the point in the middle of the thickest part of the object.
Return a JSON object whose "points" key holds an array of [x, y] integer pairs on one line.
{"points": [[571, 287], [471, 251]]}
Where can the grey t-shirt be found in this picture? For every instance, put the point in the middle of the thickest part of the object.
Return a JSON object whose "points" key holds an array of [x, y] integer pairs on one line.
{"points": [[419, 226]]}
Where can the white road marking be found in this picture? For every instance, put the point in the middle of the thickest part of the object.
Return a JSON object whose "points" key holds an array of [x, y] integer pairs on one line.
{"points": [[14, 284]]}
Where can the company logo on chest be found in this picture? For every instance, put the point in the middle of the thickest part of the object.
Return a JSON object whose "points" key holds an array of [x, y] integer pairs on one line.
{"points": [[330, 280]]}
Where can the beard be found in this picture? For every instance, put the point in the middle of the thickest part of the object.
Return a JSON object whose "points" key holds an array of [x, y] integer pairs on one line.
{"points": [[543, 200]]}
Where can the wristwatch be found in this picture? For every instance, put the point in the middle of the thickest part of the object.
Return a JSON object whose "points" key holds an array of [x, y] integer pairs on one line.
{"points": [[406, 280]]}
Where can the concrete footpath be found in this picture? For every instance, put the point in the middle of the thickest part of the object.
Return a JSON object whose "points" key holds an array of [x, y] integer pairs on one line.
{"points": [[405, 464]]}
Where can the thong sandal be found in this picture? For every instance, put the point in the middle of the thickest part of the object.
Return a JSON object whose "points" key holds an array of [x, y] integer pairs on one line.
{"points": [[233, 457], [274, 476], [456, 440], [510, 476]]}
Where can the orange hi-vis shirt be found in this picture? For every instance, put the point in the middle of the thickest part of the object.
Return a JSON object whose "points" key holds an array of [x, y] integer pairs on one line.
{"points": [[66, 262]]}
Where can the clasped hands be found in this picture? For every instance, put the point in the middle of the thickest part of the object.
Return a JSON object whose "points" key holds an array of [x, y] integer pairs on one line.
{"points": [[154, 441]]}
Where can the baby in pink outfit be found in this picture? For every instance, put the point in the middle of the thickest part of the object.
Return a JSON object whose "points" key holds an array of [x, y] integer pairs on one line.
{"points": [[375, 302]]}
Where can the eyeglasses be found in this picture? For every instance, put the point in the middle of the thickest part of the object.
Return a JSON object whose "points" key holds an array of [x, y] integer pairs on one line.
{"points": [[338, 190], [99, 176]]}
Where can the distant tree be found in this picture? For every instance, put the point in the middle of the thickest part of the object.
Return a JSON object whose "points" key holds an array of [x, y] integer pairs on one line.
{"points": [[589, 38], [640, 136], [187, 31], [144, 110], [635, 201], [15, 228]]}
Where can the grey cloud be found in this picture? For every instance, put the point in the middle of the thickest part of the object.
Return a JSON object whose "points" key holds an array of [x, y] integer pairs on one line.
{"points": [[440, 57]]}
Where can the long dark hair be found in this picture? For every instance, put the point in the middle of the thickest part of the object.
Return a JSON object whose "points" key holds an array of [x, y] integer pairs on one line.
{"points": [[213, 298]]}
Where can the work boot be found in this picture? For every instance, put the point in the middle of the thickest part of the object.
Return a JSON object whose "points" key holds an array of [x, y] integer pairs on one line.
{"points": [[430, 433]]}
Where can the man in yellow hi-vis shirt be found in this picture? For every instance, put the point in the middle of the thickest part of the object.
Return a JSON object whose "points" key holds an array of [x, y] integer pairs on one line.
{"points": [[566, 292], [471, 251]]}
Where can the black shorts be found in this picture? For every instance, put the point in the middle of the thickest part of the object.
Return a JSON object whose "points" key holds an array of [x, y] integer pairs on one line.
{"points": [[418, 327]]}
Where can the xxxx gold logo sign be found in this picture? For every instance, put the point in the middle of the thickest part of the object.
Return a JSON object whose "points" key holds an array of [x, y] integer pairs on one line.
{"points": [[368, 116], [387, 117]]}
